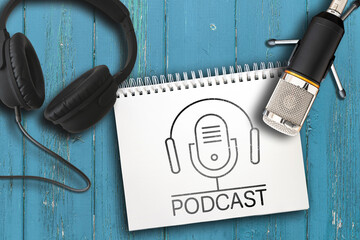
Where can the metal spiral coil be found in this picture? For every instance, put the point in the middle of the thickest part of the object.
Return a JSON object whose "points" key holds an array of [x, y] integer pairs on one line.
{"points": [[177, 81]]}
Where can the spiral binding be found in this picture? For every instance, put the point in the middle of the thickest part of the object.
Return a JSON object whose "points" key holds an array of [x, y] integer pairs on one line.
{"points": [[174, 82]]}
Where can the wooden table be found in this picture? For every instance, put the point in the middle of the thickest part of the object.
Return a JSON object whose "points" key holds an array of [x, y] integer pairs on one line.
{"points": [[173, 36]]}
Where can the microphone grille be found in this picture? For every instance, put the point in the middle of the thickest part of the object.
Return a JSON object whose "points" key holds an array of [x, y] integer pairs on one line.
{"points": [[290, 102], [280, 127]]}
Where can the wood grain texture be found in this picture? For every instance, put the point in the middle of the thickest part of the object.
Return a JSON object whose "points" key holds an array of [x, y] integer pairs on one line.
{"points": [[200, 34], [270, 19], [63, 39], [173, 36], [11, 161]]}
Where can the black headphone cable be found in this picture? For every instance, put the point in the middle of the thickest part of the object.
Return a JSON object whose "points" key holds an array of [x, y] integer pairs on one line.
{"points": [[56, 156]]}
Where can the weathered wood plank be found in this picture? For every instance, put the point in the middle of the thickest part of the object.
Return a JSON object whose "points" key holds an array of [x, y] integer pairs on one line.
{"points": [[334, 145], [343, 150], [148, 18], [11, 157], [258, 21], [200, 35], [62, 34], [174, 36]]}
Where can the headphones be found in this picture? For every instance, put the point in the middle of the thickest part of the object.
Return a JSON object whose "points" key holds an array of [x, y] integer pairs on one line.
{"points": [[199, 166], [81, 104]]}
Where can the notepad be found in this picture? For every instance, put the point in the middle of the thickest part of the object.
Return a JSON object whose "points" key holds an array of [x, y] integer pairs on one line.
{"points": [[193, 148]]}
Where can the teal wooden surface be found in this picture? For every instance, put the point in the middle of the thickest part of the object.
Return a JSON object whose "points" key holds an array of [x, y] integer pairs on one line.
{"points": [[173, 36]]}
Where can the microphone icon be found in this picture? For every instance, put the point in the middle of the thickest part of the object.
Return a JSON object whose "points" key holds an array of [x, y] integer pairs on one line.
{"points": [[213, 154]]}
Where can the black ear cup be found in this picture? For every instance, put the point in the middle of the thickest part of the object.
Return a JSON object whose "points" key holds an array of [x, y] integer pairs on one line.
{"points": [[23, 81], [84, 102]]}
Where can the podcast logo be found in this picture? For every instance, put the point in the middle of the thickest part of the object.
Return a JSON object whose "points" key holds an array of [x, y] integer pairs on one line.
{"points": [[214, 153]]}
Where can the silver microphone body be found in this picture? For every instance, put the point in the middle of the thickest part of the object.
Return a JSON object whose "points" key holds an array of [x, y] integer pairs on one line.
{"points": [[290, 104]]}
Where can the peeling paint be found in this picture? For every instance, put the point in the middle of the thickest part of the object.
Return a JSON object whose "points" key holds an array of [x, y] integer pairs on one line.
{"points": [[213, 27]]}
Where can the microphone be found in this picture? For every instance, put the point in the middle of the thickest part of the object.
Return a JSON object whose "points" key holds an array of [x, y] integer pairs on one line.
{"points": [[214, 153], [312, 59]]}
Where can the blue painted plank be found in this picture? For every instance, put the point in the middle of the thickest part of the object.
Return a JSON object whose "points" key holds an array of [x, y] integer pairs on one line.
{"points": [[110, 210], [63, 38], [109, 213], [11, 157], [334, 146], [344, 129], [258, 21], [200, 35], [319, 218], [175, 36]]}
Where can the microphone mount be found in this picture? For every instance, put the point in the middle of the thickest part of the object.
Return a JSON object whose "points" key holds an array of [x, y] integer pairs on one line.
{"points": [[351, 9], [337, 7]]}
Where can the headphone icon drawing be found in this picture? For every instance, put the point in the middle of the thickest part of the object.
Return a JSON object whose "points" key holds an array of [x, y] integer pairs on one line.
{"points": [[214, 154]]}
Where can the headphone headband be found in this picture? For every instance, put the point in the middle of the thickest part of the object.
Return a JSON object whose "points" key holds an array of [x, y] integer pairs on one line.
{"points": [[114, 9]]}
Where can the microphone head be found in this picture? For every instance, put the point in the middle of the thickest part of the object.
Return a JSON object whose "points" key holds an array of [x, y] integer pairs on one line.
{"points": [[290, 104], [212, 141]]}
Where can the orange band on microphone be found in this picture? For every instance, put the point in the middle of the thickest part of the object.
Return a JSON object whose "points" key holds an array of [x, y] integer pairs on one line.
{"points": [[302, 78]]}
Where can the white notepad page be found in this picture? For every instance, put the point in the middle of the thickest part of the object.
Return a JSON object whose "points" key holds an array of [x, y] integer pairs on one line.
{"points": [[197, 150]]}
